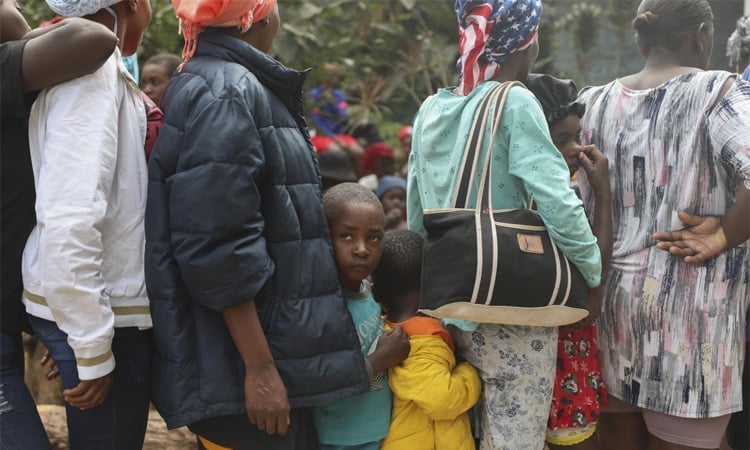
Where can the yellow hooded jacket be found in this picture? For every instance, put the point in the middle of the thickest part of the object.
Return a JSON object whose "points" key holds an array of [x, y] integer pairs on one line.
{"points": [[431, 397]]}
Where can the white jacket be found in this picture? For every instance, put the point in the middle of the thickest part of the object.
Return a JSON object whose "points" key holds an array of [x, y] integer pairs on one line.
{"points": [[83, 262]]}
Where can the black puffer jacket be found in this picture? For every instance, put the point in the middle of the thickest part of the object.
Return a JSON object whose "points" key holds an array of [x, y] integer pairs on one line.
{"points": [[234, 213]]}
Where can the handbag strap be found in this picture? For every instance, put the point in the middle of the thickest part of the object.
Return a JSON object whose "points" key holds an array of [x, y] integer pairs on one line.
{"points": [[471, 151], [484, 196], [470, 163]]}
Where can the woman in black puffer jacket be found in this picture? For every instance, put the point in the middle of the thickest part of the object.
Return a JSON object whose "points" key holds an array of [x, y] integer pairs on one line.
{"points": [[248, 316]]}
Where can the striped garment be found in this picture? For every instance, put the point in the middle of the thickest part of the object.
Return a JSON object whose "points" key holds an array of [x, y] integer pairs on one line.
{"points": [[671, 334]]}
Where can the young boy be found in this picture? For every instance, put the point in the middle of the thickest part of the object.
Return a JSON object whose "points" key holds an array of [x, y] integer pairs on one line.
{"points": [[431, 393], [355, 220], [579, 391]]}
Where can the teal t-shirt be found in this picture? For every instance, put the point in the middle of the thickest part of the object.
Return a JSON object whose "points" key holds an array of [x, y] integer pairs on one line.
{"points": [[365, 417]]}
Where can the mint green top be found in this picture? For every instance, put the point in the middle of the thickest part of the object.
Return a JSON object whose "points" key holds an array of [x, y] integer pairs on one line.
{"points": [[525, 163]]}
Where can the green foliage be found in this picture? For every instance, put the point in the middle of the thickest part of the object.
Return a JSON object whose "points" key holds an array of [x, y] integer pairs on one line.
{"points": [[582, 21], [392, 54], [162, 34]]}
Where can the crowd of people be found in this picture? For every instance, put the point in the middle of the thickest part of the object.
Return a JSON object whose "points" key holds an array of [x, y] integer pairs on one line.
{"points": [[185, 240]]}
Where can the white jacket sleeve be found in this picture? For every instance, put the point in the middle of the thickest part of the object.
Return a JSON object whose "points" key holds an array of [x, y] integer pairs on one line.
{"points": [[78, 160]]}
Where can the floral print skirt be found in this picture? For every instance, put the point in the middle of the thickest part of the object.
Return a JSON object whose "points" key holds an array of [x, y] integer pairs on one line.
{"points": [[517, 367]]}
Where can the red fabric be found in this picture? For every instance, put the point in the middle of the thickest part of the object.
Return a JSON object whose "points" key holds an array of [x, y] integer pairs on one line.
{"points": [[404, 132], [579, 391], [154, 122], [373, 153], [424, 326], [51, 22], [196, 15], [321, 143]]}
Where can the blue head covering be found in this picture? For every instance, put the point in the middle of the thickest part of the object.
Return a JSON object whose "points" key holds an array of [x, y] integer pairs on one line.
{"points": [[389, 182]]}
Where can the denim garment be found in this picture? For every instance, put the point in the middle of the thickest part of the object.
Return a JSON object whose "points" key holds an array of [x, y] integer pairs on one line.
{"points": [[120, 422], [20, 426]]}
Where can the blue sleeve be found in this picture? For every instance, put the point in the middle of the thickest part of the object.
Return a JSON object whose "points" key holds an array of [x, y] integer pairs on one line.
{"points": [[216, 222], [536, 161], [746, 75]]}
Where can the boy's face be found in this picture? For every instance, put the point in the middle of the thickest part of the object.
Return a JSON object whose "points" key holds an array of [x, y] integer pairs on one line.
{"points": [[566, 135], [357, 237], [154, 80]]}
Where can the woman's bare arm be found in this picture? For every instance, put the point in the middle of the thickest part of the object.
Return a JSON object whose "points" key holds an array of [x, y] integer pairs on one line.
{"points": [[64, 51]]}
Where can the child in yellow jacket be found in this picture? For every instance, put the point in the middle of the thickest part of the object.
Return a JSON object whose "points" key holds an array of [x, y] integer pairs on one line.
{"points": [[431, 393]]}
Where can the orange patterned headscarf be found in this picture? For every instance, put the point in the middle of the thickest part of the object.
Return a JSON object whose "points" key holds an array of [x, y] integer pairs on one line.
{"points": [[196, 15]]}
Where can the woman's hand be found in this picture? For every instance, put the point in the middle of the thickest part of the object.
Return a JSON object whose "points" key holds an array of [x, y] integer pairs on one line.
{"points": [[266, 400], [703, 238]]}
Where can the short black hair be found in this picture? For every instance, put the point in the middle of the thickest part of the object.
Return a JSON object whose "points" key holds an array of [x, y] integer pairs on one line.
{"points": [[347, 194], [400, 267], [666, 22], [167, 60]]}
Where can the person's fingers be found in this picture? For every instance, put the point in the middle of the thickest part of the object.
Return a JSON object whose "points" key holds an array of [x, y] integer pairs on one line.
{"points": [[697, 259], [588, 152], [271, 423], [689, 219], [677, 251], [586, 163], [53, 373], [45, 358], [82, 398], [75, 392], [667, 235], [88, 394]]}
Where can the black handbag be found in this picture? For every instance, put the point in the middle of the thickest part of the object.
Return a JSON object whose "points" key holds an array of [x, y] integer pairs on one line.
{"points": [[495, 266]]}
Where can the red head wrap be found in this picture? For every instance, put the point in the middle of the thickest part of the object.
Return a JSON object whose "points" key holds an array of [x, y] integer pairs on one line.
{"points": [[195, 15]]}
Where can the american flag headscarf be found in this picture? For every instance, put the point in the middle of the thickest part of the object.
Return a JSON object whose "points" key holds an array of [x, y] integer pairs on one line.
{"points": [[488, 32]]}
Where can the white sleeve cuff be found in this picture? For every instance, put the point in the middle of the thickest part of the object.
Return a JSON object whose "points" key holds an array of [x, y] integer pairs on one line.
{"points": [[92, 368]]}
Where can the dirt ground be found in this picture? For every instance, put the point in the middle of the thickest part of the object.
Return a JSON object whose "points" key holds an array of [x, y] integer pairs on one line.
{"points": [[157, 435]]}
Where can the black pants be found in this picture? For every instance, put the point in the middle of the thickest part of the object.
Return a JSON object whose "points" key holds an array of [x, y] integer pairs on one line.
{"points": [[236, 432]]}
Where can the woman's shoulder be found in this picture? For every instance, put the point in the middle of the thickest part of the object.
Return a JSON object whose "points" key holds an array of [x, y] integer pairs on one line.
{"points": [[588, 94], [707, 81]]}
